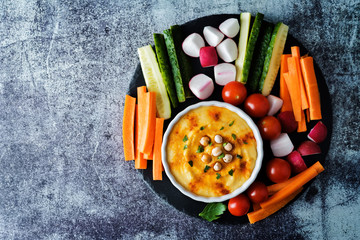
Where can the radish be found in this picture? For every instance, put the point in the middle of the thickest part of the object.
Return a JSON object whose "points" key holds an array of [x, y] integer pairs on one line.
{"points": [[308, 148], [192, 44], [296, 162], [224, 73], [318, 133], [202, 86], [230, 27], [227, 50], [208, 56], [287, 121], [282, 145], [275, 104], [212, 36]]}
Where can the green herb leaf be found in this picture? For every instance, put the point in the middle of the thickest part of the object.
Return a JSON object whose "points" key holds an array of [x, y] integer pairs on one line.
{"points": [[185, 146], [206, 168], [213, 211], [231, 123], [218, 175], [231, 172], [200, 149], [221, 128], [210, 144], [224, 144], [202, 128], [233, 136], [191, 163], [221, 156], [238, 156], [185, 138], [245, 142]]}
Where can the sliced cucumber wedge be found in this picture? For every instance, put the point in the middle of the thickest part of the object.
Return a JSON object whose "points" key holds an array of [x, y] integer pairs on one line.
{"points": [[245, 20], [273, 58], [154, 81]]}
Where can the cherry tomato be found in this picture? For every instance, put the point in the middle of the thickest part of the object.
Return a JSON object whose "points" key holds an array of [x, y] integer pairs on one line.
{"points": [[234, 93], [269, 127], [239, 205], [256, 105], [278, 170], [257, 192]]}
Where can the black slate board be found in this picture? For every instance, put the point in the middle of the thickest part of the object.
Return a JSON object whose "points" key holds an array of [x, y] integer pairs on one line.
{"points": [[185, 204]]}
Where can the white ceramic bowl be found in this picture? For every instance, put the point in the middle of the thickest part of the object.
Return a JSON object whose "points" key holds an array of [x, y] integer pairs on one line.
{"points": [[258, 162]]}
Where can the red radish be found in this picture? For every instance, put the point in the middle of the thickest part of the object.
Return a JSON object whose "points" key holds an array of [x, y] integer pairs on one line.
{"points": [[282, 145], [192, 44], [230, 27], [224, 73], [212, 36], [202, 86], [296, 162], [287, 121], [208, 57], [318, 133], [308, 148], [227, 50], [275, 104]]}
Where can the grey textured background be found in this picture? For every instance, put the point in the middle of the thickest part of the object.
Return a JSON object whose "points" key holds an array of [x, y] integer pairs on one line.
{"points": [[65, 67]]}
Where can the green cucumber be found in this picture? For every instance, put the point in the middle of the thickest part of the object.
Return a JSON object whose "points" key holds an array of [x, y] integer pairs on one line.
{"points": [[170, 45], [273, 58], [259, 56], [254, 34], [245, 20], [184, 62], [165, 68]]}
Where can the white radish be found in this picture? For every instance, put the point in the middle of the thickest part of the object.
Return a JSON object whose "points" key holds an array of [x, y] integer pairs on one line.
{"points": [[224, 73], [281, 146], [308, 148], [227, 50], [318, 133], [296, 162], [230, 27], [212, 36], [275, 104], [192, 44], [202, 86], [208, 56]]}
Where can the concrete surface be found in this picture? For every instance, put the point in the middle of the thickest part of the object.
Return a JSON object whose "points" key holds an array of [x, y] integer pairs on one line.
{"points": [[65, 69]]}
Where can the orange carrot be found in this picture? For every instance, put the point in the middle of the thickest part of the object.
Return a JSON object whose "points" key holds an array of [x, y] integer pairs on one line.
{"points": [[302, 123], [284, 92], [140, 162], [149, 156], [157, 165], [292, 84], [295, 52], [265, 212], [147, 143], [128, 128], [305, 177], [141, 94], [307, 68]]}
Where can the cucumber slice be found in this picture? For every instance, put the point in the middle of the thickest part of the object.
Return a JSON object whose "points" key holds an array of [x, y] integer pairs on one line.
{"points": [[165, 68], [184, 62], [245, 20], [259, 56], [273, 58], [255, 30], [154, 81], [170, 45]]}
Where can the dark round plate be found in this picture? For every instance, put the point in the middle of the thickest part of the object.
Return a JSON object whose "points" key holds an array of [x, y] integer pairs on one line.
{"points": [[164, 188]]}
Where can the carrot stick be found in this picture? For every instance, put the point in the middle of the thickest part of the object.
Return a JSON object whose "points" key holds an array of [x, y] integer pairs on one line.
{"points": [[157, 165], [149, 156], [294, 88], [284, 92], [140, 162], [128, 128], [305, 177], [147, 143], [295, 52], [307, 68], [264, 213], [141, 93], [302, 123]]}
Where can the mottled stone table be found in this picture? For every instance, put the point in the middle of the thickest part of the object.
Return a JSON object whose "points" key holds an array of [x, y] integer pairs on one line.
{"points": [[65, 69]]}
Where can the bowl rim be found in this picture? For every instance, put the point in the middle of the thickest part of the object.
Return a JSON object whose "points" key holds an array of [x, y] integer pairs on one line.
{"points": [[258, 162]]}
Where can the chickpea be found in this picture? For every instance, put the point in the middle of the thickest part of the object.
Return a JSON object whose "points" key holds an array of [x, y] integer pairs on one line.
{"points": [[217, 166], [218, 139], [228, 147], [228, 158], [216, 151], [205, 141], [206, 158]]}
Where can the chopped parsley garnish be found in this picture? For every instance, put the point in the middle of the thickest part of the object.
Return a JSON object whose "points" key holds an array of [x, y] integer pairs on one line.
{"points": [[210, 143], [233, 136], [224, 144], [218, 175], [245, 142], [190, 163], [200, 149], [238, 156], [202, 128], [221, 156], [221, 128], [206, 168], [185, 146], [231, 172], [231, 123], [185, 138]]}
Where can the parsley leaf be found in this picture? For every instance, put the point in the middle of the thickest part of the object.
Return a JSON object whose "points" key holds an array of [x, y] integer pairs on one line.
{"points": [[231, 123], [185, 146], [233, 136], [245, 142], [221, 128], [221, 156], [200, 149], [231, 172], [238, 156], [206, 168], [190, 163], [224, 144], [218, 175], [202, 128], [210, 143], [185, 138], [213, 211]]}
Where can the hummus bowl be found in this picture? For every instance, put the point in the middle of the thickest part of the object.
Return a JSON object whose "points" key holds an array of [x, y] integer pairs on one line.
{"points": [[212, 151]]}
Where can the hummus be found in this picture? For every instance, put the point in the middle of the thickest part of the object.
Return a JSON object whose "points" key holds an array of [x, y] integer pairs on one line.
{"points": [[184, 151]]}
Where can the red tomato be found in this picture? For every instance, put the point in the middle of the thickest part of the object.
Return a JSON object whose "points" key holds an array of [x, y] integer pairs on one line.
{"points": [[269, 127], [256, 105], [239, 205], [234, 93], [278, 170], [257, 192]]}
